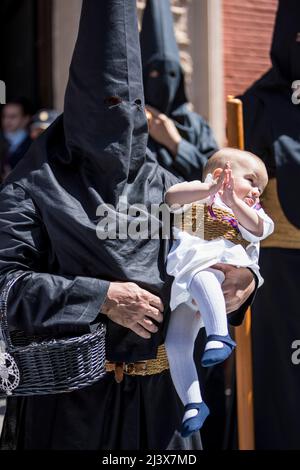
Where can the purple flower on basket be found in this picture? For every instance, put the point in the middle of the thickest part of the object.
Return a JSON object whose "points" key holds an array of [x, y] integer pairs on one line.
{"points": [[232, 221]]}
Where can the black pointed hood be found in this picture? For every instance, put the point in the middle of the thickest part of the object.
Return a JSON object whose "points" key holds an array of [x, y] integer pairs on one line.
{"points": [[162, 73], [104, 120], [285, 52]]}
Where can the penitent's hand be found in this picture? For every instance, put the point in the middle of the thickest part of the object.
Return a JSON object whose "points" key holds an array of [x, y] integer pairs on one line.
{"points": [[163, 130], [238, 285], [132, 307]]}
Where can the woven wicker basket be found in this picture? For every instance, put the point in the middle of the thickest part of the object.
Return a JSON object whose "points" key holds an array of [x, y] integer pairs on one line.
{"points": [[43, 366], [202, 221]]}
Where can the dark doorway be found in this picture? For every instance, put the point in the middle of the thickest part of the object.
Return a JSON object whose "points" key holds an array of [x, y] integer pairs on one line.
{"points": [[26, 50]]}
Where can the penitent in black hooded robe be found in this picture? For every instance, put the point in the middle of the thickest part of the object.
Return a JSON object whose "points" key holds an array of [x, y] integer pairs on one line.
{"points": [[272, 131], [166, 93], [92, 155]]}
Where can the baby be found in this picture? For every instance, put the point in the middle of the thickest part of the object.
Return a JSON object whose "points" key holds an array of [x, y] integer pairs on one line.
{"points": [[234, 182]]}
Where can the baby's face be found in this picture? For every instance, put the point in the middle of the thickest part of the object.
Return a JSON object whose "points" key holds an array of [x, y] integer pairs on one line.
{"points": [[250, 180]]}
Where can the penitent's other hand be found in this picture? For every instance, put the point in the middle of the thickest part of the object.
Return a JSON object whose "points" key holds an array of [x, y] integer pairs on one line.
{"points": [[132, 307], [238, 285], [163, 130]]}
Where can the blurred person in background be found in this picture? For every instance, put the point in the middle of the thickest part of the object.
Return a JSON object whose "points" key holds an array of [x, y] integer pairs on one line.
{"points": [[181, 140], [14, 136], [41, 121]]}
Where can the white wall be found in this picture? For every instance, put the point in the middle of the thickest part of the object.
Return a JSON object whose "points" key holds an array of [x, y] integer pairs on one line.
{"points": [[206, 48], [66, 15]]}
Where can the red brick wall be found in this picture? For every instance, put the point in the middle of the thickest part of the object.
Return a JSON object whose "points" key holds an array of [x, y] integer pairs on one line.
{"points": [[248, 27]]}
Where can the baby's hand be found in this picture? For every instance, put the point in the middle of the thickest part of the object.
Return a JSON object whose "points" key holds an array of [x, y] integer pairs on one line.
{"points": [[228, 195], [216, 185]]}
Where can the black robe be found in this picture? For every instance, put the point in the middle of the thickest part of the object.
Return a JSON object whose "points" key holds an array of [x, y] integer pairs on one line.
{"points": [[272, 131]]}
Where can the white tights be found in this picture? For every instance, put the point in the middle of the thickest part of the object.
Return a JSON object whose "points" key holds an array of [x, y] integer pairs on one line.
{"points": [[185, 322]]}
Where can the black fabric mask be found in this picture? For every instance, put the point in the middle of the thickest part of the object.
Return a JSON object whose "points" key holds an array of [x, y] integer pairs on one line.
{"points": [[160, 91]]}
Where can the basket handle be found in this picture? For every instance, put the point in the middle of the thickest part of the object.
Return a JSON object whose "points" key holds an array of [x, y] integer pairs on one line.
{"points": [[4, 330]]}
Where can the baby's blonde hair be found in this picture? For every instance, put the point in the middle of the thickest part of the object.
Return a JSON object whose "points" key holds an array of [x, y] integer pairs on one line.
{"points": [[232, 155]]}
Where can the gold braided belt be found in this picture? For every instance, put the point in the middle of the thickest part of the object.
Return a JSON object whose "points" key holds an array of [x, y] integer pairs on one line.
{"points": [[209, 222], [148, 367], [285, 234]]}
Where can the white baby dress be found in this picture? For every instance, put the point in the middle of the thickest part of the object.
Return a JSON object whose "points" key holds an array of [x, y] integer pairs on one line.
{"points": [[190, 254]]}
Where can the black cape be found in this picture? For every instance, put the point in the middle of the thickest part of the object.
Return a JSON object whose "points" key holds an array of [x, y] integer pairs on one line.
{"points": [[167, 94], [272, 131]]}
